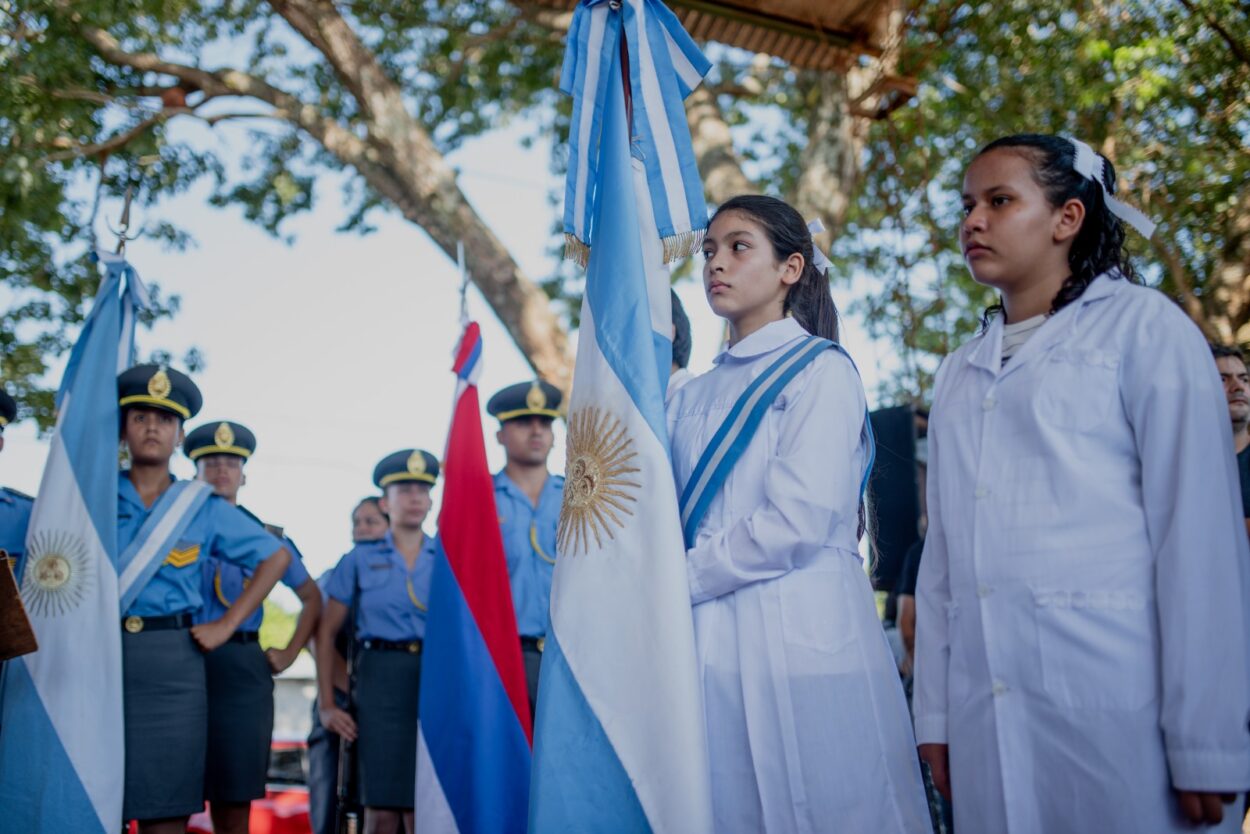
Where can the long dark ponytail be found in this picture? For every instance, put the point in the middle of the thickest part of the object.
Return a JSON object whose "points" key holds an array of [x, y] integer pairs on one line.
{"points": [[808, 299], [1100, 244]]}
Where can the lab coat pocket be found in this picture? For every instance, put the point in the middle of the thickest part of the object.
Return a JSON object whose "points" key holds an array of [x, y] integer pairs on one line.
{"points": [[374, 575], [1077, 388], [815, 613], [1096, 648]]}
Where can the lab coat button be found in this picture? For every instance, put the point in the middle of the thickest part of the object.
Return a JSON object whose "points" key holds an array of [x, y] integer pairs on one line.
{"points": [[984, 591], [999, 688], [982, 492], [988, 404]]}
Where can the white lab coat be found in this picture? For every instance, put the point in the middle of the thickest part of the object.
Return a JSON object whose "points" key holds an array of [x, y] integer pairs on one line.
{"points": [[1081, 636], [807, 726]]}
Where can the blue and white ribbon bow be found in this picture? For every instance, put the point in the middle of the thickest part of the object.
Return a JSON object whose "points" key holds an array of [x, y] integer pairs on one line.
{"points": [[1089, 164], [665, 65]]}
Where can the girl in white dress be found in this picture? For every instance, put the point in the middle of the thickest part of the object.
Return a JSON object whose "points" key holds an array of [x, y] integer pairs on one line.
{"points": [[807, 726], [1081, 641]]}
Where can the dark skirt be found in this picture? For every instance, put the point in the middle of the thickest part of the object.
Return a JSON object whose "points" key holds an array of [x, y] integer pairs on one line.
{"points": [[240, 722], [388, 684], [166, 713]]}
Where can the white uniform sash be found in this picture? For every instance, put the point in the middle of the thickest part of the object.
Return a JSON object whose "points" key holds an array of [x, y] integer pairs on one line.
{"points": [[170, 518], [740, 425]]}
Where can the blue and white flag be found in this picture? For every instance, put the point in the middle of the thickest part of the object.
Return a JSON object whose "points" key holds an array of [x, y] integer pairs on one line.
{"points": [[664, 66], [61, 732], [619, 742]]}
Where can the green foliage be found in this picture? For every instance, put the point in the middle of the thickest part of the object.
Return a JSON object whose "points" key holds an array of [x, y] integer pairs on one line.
{"points": [[277, 626], [76, 129], [1154, 86]]}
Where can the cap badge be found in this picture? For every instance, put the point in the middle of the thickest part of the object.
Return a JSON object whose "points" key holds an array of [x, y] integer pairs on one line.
{"points": [[536, 399], [416, 463], [159, 385], [224, 436]]}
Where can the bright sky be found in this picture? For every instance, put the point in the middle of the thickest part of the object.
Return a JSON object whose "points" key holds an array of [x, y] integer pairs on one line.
{"points": [[336, 350]]}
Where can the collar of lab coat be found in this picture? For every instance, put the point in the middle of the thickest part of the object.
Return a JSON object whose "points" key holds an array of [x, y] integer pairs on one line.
{"points": [[988, 352], [765, 340]]}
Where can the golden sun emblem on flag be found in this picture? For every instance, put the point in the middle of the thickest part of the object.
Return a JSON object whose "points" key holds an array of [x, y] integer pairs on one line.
{"points": [[57, 574], [597, 489]]}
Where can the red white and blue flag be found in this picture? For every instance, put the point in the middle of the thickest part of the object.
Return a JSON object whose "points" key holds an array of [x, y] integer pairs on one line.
{"points": [[474, 734]]}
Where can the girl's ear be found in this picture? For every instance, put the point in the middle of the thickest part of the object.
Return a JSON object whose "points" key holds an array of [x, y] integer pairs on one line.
{"points": [[792, 269], [1069, 218]]}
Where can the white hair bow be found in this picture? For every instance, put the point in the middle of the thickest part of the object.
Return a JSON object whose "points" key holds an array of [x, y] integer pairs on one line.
{"points": [[1089, 164], [819, 259]]}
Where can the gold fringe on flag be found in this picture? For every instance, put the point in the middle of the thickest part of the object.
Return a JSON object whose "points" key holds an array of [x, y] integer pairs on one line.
{"points": [[682, 245], [575, 250]]}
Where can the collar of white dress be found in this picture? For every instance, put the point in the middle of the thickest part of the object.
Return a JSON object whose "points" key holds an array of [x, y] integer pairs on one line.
{"points": [[765, 340]]}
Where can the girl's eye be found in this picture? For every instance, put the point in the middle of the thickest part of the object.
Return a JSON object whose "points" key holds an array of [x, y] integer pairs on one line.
{"points": [[967, 209], [707, 254], [739, 246], [1000, 200]]}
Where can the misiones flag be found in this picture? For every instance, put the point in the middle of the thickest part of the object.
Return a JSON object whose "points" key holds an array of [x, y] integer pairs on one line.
{"points": [[473, 730], [619, 739], [61, 734]]}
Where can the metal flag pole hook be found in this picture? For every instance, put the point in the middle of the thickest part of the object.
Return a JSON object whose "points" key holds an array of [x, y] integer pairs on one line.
{"points": [[123, 231], [464, 283]]}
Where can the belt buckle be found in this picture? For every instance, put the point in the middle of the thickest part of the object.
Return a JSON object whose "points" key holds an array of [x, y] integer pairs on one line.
{"points": [[134, 625], [541, 642], [414, 647]]}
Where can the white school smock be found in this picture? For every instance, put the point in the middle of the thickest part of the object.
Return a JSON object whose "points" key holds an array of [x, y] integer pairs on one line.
{"points": [[1081, 635], [806, 723]]}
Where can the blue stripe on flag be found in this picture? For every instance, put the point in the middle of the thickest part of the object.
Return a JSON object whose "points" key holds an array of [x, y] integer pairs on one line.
{"points": [[596, 796], [32, 750], [616, 282], [469, 707]]}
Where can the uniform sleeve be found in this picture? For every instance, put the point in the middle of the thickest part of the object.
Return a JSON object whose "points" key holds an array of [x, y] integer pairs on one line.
{"points": [[810, 487], [296, 574], [1190, 491], [239, 539], [343, 580], [933, 598]]}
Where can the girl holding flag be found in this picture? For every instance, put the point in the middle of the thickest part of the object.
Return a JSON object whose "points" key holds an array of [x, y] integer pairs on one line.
{"points": [[1081, 657], [806, 722]]}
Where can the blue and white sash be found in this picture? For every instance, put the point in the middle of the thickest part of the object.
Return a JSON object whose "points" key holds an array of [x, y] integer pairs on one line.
{"points": [[740, 425], [170, 518]]}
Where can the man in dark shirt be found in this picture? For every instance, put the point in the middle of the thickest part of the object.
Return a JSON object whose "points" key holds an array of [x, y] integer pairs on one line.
{"points": [[1236, 379]]}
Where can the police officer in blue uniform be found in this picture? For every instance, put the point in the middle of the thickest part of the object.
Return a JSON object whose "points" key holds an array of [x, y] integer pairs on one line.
{"points": [[386, 584], [14, 506], [240, 675], [14, 511], [528, 499], [165, 693]]}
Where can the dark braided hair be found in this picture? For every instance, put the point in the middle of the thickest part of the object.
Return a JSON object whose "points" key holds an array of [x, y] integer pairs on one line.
{"points": [[808, 299], [1099, 245]]}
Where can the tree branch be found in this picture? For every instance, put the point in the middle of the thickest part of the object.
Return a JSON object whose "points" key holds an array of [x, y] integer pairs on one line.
{"points": [[1237, 48]]}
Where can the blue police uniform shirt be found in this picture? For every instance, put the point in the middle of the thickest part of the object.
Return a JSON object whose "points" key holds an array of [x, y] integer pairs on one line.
{"points": [[14, 519], [219, 531], [529, 543], [224, 582], [392, 600]]}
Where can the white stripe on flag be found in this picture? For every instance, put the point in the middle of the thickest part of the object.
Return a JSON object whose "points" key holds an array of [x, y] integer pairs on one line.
{"points": [[88, 719], [435, 816], [598, 25], [690, 76], [662, 132], [159, 537]]}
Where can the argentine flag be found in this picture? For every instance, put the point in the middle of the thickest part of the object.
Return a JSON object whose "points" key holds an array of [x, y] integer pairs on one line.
{"points": [[61, 734], [619, 740]]}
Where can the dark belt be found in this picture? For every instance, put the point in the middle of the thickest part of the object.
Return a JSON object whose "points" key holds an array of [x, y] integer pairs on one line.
{"points": [[535, 643], [410, 646], [134, 625], [245, 637]]}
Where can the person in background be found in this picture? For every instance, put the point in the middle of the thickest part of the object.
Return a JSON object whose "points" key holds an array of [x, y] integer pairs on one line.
{"points": [[1231, 364], [679, 375], [239, 674], [528, 499], [369, 524]]}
